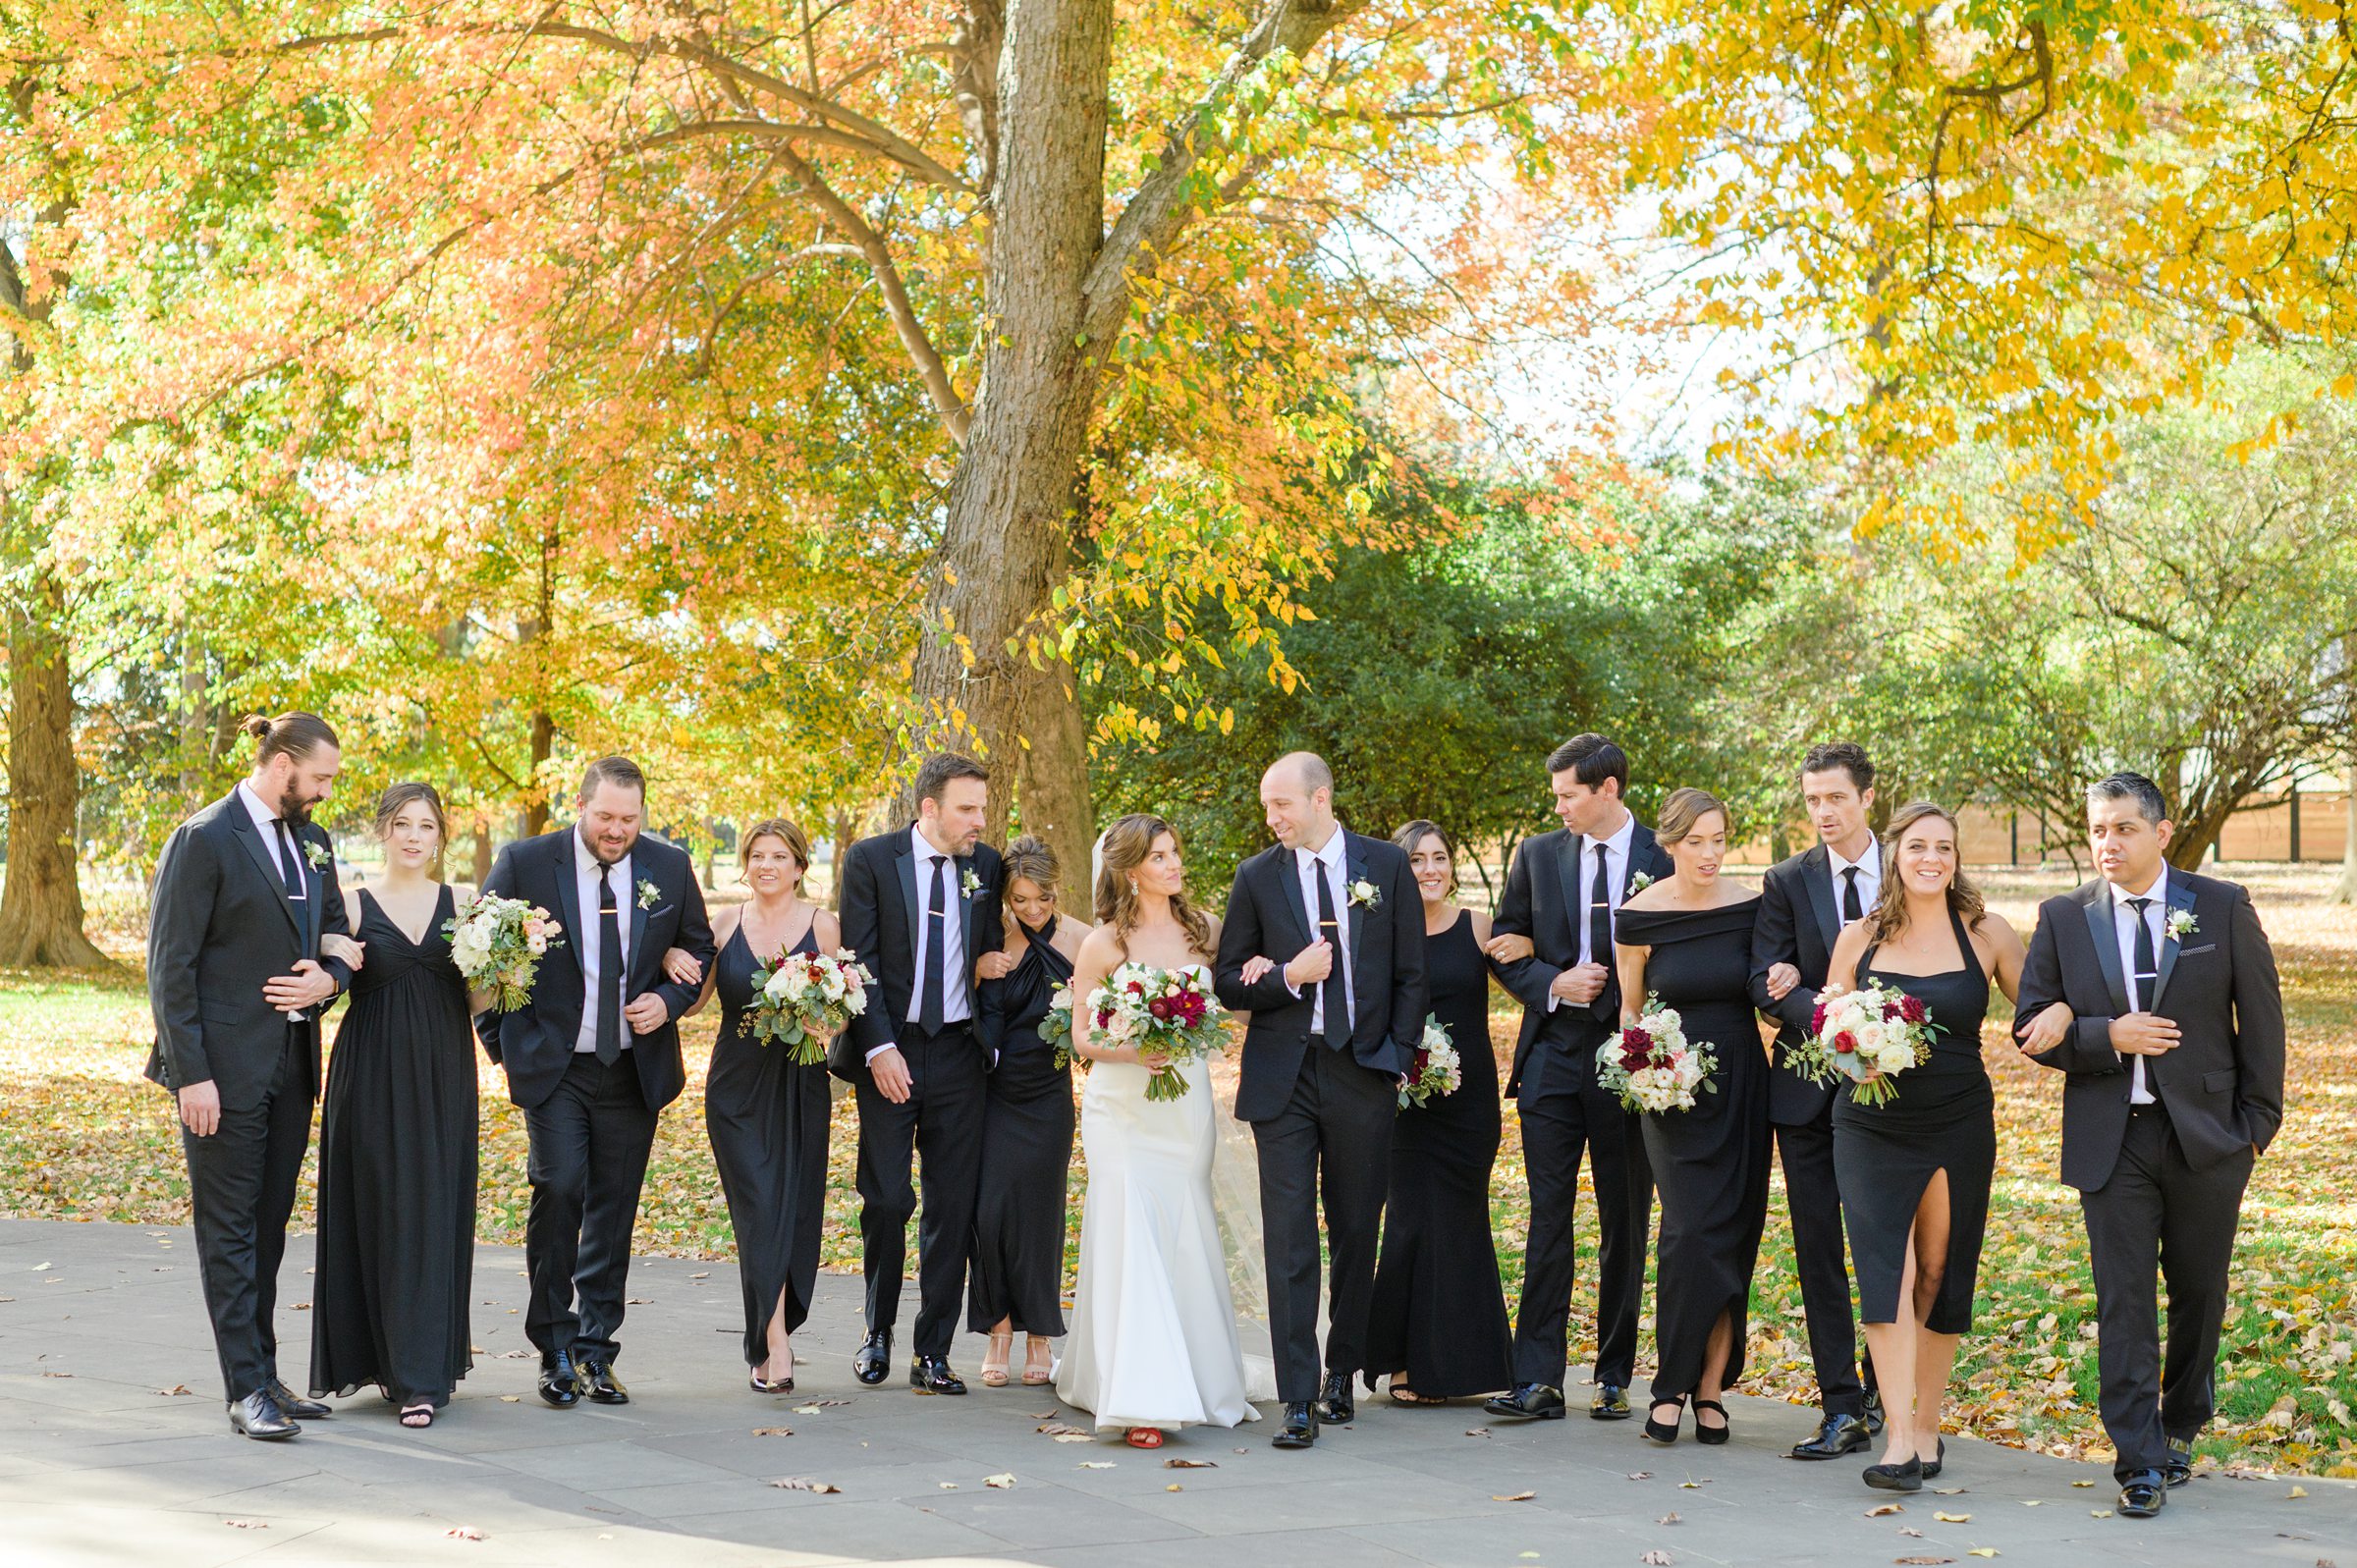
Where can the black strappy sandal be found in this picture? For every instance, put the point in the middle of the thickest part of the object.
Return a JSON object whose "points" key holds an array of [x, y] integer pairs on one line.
{"points": [[411, 1416], [1709, 1435], [1655, 1431]]}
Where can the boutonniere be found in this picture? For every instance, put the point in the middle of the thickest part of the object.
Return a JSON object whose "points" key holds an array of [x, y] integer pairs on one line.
{"points": [[648, 893], [318, 854], [2181, 924], [1364, 894], [1638, 882], [968, 884]]}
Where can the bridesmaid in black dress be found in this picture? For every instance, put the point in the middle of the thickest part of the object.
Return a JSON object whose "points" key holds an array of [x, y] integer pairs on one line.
{"points": [[1915, 1170], [398, 1138], [767, 1114], [1438, 1319], [1687, 939], [1016, 1283]]}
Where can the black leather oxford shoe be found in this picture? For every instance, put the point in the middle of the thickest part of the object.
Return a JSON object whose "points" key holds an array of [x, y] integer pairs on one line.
{"points": [[598, 1384], [560, 1384], [2143, 1493], [1527, 1401], [258, 1415], [1835, 1437], [871, 1364], [931, 1375], [295, 1405], [2179, 1468], [1610, 1404], [1300, 1429], [1336, 1407]]}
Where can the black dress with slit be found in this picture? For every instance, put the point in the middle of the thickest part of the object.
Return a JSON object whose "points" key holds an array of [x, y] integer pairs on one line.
{"points": [[1944, 1117], [1710, 1163], [1017, 1266], [767, 1117], [1439, 1310], [397, 1140]]}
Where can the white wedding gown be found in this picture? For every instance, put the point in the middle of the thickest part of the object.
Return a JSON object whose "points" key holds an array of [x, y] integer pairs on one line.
{"points": [[1154, 1339]]}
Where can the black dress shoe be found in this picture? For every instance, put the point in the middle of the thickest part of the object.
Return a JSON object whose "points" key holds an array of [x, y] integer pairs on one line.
{"points": [[1610, 1404], [1873, 1407], [931, 1375], [1527, 1401], [872, 1363], [598, 1384], [1836, 1435], [560, 1384], [2143, 1493], [2178, 1470], [1895, 1478], [258, 1415], [1938, 1462], [1299, 1429], [1665, 1433], [1713, 1435], [1336, 1408], [295, 1405]]}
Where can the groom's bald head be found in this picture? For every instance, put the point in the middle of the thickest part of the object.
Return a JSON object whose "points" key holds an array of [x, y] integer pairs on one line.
{"points": [[1298, 795]]}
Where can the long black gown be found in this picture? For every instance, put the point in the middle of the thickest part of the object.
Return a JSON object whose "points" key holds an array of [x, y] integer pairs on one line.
{"points": [[1943, 1118], [1710, 1163], [767, 1117], [1439, 1310], [1016, 1268], [398, 1139]]}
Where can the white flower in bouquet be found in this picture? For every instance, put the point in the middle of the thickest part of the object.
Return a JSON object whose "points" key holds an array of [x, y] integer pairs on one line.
{"points": [[1164, 1011], [1868, 1036], [498, 942], [803, 998], [1652, 1066], [1436, 1070]]}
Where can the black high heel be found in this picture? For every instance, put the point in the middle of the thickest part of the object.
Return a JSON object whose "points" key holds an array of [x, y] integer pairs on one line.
{"points": [[1709, 1435], [1932, 1466], [1895, 1478], [1655, 1431]]}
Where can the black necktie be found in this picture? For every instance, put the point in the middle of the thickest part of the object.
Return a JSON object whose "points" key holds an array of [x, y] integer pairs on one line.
{"points": [[936, 983], [2147, 969], [609, 970], [1331, 991], [1851, 909], [1599, 929], [288, 867]]}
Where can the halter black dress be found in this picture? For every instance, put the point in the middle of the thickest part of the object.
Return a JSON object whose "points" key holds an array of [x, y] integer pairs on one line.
{"points": [[398, 1140], [1439, 1312], [1710, 1163], [1943, 1118], [767, 1117], [1016, 1268]]}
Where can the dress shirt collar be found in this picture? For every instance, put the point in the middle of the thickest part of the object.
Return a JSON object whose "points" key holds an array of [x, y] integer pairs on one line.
{"points": [[1330, 854], [1870, 862], [1620, 839], [2158, 891]]}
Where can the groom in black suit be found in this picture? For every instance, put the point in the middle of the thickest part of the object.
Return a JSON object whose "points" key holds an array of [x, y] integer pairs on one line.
{"points": [[1331, 926], [592, 1058], [244, 891], [1804, 902], [1553, 941], [2173, 1086], [918, 905]]}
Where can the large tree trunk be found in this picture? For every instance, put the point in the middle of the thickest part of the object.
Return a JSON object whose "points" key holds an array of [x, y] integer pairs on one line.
{"points": [[41, 907], [1009, 506]]}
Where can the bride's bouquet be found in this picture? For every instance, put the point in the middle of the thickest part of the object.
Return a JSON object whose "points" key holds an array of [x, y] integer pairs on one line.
{"points": [[802, 998], [498, 944], [1437, 1068], [1652, 1066], [1057, 1027], [1868, 1036], [1162, 1011]]}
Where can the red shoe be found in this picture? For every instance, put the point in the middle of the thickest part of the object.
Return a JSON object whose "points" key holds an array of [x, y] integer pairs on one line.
{"points": [[1145, 1436]]}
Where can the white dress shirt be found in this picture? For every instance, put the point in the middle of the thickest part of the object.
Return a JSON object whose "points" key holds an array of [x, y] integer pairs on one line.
{"points": [[1615, 876], [1870, 877], [955, 1004], [591, 936], [1310, 865], [2123, 929], [265, 823]]}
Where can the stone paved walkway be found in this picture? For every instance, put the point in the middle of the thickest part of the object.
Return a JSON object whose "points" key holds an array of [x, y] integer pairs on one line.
{"points": [[99, 1467]]}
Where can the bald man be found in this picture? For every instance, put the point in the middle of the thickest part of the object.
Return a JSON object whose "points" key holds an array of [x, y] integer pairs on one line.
{"points": [[1324, 946]]}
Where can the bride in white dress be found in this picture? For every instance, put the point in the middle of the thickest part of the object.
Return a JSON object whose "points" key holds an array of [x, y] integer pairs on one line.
{"points": [[1154, 1341]]}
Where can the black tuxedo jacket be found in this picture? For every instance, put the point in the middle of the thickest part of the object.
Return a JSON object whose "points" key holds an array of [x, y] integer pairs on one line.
{"points": [[2222, 1086], [535, 1043], [881, 910], [219, 925], [1267, 918], [1547, 900], [1800, 919]]}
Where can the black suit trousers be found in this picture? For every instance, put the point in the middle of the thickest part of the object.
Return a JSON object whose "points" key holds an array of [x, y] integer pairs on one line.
{"points": [[1556, 1126], [940, 1122], [1331, 1140], [242, 1184], [1822, 1259], [589, 1146], [2156, 1208]]}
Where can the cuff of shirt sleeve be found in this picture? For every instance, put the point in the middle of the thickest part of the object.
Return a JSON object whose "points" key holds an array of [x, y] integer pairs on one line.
{"points": [[880, 1050]]}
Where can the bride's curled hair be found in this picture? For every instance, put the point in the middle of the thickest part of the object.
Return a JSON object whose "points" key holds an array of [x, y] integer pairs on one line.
{"points": [[1127, 845]]}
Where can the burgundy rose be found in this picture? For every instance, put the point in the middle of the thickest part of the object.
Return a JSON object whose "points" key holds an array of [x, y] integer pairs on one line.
{"points": [[1845, 1042], [1912, 1009], [1816, 1019]]}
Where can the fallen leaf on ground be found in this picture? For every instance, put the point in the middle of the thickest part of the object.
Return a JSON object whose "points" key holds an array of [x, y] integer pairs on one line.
{"points": [[2082, 1483], [1000, 1481], [773, 1432], [40, 1267], [246, 1524], [804, 1484], [1669, 1519], [1953, 1519], [1947, 1492], [1881, 1508], [1640, 1475], [2031, 1502], [510, 1399], [175, 1391], [1512, 1496], [1982, 1551], [1174, 1486], [1190, 1464], [1922, 1560], [2296, 1492], [1477, 1431], [1096, 1464], [1656, 1558], [2098, 1513], [946, 1485], [639, 1301], [463, 1533], [57, 1375], [706, 1275], [1911, 1531], [1045, 1415]]}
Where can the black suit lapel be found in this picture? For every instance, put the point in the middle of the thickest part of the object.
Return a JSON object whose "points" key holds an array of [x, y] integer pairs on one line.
{"points": [[2101, 929], [2180, 896], [639, 872], [1288, 872], [241, 826], [1817, 873], [565, 853], [903, 865], [1355, 921], [1570, 852], [959, 869]]}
